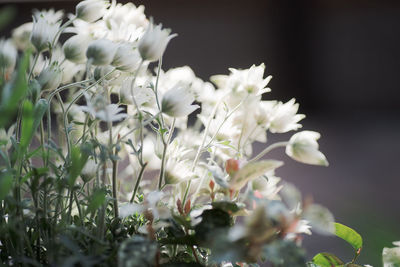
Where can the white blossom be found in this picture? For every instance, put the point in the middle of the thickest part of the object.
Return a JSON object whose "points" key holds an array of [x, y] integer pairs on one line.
{"points": [[51, 15], [126, 14], [142, 94], [75, 48], [101, 52], [98, 109], [303, 147], [51, 77], [177, 102], [249, 81], [91, 10], [284, 118], [126, 58], [44, 33], [154, 42], [391, 256]]}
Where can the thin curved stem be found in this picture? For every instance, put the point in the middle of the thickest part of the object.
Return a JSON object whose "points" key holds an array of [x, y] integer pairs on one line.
{"points": [[138, 181], [267, 150], [162, 169]]}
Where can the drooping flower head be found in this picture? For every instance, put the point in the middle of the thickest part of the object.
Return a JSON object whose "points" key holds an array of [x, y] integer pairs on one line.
{"points": [[101, 52], [303, 147], [91, 10], [44, 33], [75, 48], [154, 42], [51, 77], [177, 102]]}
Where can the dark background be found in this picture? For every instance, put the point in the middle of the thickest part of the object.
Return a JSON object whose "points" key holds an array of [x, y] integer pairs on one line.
{"points": [[341, 60]]}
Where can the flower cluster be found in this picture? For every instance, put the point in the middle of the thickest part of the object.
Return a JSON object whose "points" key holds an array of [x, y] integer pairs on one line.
{"points": [[165, 159]]}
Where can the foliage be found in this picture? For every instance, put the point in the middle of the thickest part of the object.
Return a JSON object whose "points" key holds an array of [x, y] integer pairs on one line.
{"points": [[104, 161]]}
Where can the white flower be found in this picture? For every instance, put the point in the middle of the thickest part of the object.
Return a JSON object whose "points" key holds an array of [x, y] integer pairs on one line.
{"points": [[391, 256], [51, 15], [284, 117], [44, 33], [152, 45], [51, 77], [104, 112], [75, 48], [142, 94], [177, 102], [126, 58], [303, 147], [111, 113], [8, 55], [101, 52], [127, 14], [267, 186], [178, 166], [91, 10], [249, 81]]}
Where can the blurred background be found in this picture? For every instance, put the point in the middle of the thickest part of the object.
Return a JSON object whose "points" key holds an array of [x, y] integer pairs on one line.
{"points": [[340, 60]]}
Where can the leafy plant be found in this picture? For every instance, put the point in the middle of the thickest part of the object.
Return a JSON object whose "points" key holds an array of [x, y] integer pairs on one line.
{"points": [[101, 164]]}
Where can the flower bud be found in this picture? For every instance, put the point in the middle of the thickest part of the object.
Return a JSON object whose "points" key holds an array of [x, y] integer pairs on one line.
{"points": [[303, 147], [91, 10], [50, 78], [177, 102], [153, 43], [232, 166], [8, 55], [101, 52], [75, 47], [126, 58], [43, 33]]}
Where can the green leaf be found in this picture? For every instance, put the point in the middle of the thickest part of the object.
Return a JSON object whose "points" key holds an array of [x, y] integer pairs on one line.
{"points": [[6, 182], [78, 161], [14, 91], [31, 118], [252, 171], [39, 111], [349, 235], [326, 259], [26, 125], [96, 200]]}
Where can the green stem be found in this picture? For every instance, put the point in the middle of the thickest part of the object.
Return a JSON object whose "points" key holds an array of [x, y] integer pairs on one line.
{"points": [[114, 187], [164, 154], [138, 181], [267, 150], [33, 66]]}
